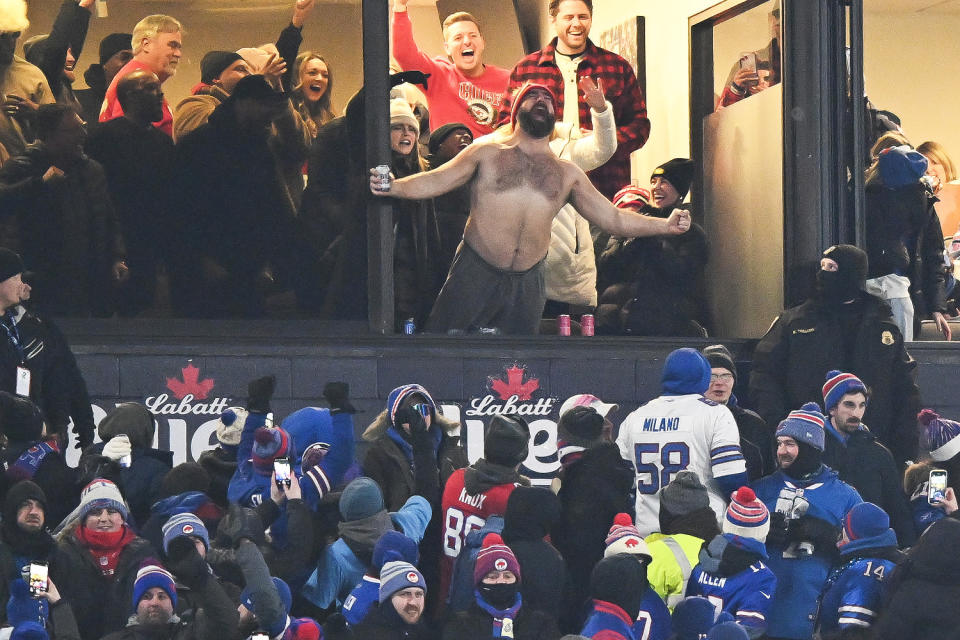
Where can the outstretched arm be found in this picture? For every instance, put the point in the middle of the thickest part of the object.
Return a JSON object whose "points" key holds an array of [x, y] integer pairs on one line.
{"points": [[431, 184], [621, 223]]}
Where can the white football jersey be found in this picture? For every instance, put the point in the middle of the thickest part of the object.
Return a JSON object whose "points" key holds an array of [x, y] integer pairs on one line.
{"points": [[673, 433]]}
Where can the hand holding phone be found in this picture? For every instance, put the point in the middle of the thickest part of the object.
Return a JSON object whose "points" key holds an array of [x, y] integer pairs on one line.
{"points": [[281, 472], [38, 579], [936, 486]]}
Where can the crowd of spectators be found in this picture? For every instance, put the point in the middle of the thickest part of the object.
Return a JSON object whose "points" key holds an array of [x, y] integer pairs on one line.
{"points": [[691, 518]]}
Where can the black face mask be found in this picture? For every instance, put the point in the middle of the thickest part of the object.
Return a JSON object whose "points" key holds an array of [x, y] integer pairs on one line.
{"points": [[837, 287], [500, 595], [808, 460]]}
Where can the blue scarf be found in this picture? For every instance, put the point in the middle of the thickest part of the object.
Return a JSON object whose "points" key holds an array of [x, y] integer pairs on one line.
{"points": [[502, 618]]}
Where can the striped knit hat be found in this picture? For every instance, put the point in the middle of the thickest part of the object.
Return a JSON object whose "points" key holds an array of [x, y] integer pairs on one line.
{"points": [[396, 576], [625, 538], [746, 516], [631, 195], [804, 425], [184, 524], [494, 556], [396, 397], [153, 575], [839, 384], [941, 437], [269, 443]]}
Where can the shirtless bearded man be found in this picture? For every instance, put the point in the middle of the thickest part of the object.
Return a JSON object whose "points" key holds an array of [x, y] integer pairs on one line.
{"points": [[517, 186]]}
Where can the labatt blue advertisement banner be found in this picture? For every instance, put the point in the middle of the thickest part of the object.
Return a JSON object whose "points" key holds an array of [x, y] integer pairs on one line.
{"points": [[187, 400]]}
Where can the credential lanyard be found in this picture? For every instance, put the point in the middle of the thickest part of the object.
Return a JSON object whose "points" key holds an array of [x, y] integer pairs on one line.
{"points": [[14, 334]]}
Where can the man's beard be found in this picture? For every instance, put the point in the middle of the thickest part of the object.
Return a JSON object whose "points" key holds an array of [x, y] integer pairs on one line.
{"points": [[536, 127]]}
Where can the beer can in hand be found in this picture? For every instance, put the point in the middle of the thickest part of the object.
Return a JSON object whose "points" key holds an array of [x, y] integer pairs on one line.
{"points": [[383, 173], [563, 324], [586, 324]]}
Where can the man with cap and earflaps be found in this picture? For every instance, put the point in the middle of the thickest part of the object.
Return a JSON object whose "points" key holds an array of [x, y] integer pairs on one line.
{"points": [[473, 494], [851, 599], [851, 449], [114, 53], [807, 503], [840, 327], [682, 430], [497, 275], [654, 286], [731, 568]]}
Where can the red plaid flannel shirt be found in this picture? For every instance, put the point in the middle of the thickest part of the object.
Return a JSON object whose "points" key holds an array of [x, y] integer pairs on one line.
{"points": [[621, 89]]}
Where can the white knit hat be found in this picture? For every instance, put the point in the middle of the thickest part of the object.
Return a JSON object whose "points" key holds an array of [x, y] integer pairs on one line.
{"points": [[400, 111]]}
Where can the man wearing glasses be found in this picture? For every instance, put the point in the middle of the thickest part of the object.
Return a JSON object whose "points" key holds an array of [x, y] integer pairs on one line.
{"points": [[754, 436]]}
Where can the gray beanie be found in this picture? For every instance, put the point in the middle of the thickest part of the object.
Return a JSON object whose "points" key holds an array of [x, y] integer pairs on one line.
{"points": [[684, 494]]}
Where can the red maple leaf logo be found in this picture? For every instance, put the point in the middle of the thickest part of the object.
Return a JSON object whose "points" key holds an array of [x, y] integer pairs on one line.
{"points": [[190, 384], [514, 385]]}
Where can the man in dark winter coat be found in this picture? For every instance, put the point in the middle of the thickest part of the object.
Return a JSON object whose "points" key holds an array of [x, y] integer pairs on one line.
{"points": [[413, 450], [923, 586], [595, 485], [27, 341], [68, 229], [654, 286], [221, 463], [498, 609], [413, 453], [754, 435], [232, 206], [531, 514], [56, 53], [843, 328], [115, 51], [154, 600], [28, 457], [23, 535], [399, 614], [862, 462], [137, 159]]}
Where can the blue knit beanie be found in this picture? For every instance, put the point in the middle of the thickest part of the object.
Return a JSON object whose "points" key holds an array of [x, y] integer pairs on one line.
{"points": [[693, 617], [839, 384], [685, 371], [804, 425], [184, 524], [394, 546], [153, 575], [865, 520], [901, 166], [360, 499]]}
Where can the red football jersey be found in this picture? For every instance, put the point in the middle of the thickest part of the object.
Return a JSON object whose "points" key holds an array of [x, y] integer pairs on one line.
{"points": [[462, 513]]}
